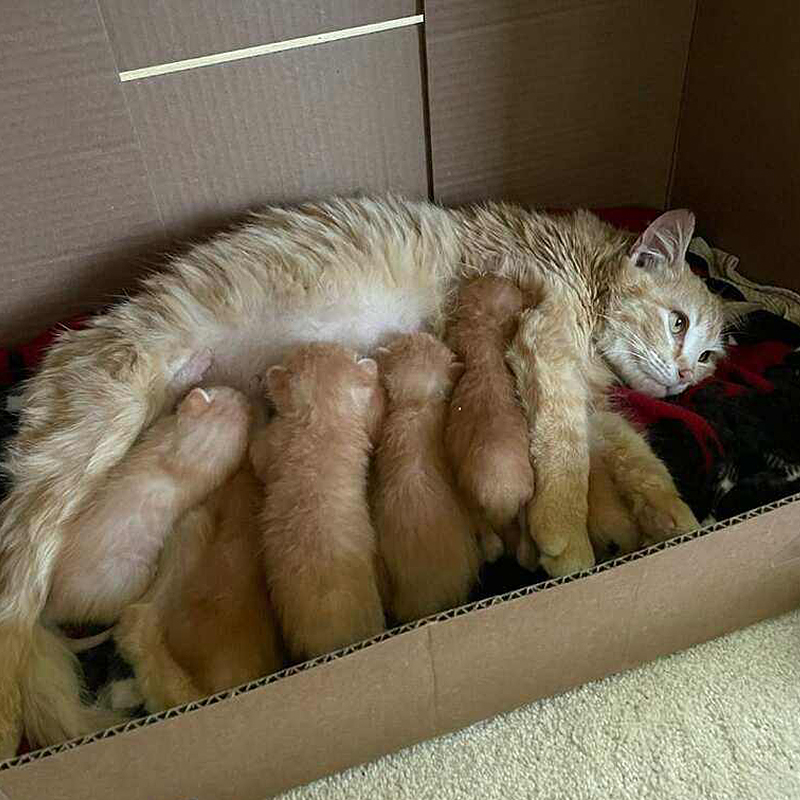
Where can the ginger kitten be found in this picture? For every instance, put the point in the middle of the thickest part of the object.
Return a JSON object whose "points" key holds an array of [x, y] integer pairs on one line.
{"points": [[319, 549], [426, 533], [487, 435]]}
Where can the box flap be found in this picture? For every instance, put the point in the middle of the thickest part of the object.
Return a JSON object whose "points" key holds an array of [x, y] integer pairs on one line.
{"points": [[553, 103], [738, 163], [283, 127], [77, 206]]}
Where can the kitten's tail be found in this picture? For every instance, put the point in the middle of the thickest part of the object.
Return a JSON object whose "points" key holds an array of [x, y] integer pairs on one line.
{"points": [[51, 689]]}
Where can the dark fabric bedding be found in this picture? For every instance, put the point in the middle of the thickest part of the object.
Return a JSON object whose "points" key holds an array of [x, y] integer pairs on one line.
{"points": [[732, 443]]}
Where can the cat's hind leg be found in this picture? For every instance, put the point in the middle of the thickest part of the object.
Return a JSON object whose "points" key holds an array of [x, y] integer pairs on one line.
{"points": [[641, 478], [112, 547], [612, 529]]}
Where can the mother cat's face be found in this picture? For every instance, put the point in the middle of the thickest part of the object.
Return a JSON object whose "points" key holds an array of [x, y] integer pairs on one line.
{"points": [[663, 330]]}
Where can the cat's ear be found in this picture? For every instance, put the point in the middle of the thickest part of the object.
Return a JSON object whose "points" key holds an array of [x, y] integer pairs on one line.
{"points": [[368, 366], [665, 241], [456, 371], [277, 383], [736, 311]]}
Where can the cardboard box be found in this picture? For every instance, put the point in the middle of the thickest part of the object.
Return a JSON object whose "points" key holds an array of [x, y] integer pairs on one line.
{"points": [[550, 102]]}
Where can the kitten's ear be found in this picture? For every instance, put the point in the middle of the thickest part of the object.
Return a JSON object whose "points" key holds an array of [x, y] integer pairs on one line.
{"points": [[369, 366], [381, 354], [456, 371], [735, 311], [665, 241], [277, 383], [365, 394]]}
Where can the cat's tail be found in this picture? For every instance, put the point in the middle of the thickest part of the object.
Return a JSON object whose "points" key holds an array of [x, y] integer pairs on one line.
{"points": [[96, 391], [52, 693]]}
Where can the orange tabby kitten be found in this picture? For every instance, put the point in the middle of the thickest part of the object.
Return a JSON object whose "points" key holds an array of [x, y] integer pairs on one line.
{"points": [[426, 533], [206, 624], [487, 435], [318, 542], [182, 458]]}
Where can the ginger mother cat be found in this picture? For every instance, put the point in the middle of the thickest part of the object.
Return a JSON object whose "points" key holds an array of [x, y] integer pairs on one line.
{"points": [[606, 307]]}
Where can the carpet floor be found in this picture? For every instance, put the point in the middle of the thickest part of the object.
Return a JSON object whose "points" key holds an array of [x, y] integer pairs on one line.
{"points": [[721, 720]]}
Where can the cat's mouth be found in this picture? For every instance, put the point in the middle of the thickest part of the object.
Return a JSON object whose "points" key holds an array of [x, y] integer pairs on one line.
{"points": [[650, 386], [656, 388], [642, 380], [676, 389]]}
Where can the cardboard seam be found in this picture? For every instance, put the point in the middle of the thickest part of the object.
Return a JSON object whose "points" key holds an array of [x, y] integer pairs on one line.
{"points": [[626, 650], [434, 680], [131, 120], [425, 88], [673, 167], [132, 725]]}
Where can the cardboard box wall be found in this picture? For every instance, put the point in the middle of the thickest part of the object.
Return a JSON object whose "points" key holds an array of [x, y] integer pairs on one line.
{"points": [[551, 103]]}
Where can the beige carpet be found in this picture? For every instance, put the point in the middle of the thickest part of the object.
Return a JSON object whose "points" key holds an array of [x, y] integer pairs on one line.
{"points": [[721, 720]]}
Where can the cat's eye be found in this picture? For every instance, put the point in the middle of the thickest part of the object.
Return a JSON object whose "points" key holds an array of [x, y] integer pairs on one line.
{"points": [[704, 356], [678, 322]]}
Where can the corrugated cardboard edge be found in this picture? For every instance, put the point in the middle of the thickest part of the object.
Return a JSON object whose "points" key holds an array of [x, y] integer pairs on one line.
{"points": [[790, 553]]}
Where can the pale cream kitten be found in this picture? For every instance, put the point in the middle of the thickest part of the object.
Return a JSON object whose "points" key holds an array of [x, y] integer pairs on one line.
{"points": [[319, 549], [426, 533], [182, 458], [609, 307]]}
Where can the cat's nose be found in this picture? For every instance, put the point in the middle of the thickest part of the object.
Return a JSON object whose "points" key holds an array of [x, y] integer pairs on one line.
{"points": [[685, 373]]}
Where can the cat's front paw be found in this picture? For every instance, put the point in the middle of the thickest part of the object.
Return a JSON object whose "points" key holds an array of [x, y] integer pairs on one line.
{"points": [[662, 515], [578, 555], [561, 537]]}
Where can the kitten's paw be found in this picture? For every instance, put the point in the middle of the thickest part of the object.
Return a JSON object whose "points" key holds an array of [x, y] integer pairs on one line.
{"points": [[492, 547], [527, 554], [663, 515], [212, 431], [555, 521]]}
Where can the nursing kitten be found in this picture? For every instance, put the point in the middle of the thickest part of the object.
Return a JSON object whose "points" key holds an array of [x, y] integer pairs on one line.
{"points": [[427, 536], [206, 623], [182, 458], [608, 307], [318, 544], [487, 434]]}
